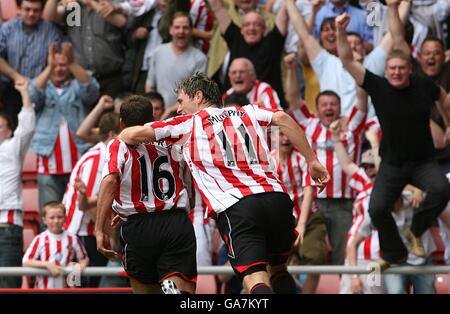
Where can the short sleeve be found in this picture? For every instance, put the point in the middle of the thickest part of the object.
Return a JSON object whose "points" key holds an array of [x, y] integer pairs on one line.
{"points": [[116, 155], [372, 83], [174, 129], [32, 252], [359, 181], [263, 115]]}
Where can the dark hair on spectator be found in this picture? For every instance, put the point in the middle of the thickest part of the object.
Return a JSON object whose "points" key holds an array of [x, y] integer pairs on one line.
{"points": [[435, 39], [182, 14], [155, 96], [136, 110], [355, 34], [328, 21], [123, 95], [236, 99], [109, 121], [9, 123], [328, 93], [19, 2], [201, 82], [397, 53], [53, 204]]}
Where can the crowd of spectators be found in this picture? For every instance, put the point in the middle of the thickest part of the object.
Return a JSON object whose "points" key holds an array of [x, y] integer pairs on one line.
{"points": [[74, 61]]}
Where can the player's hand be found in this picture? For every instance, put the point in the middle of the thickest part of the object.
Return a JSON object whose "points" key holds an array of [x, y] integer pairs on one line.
{"points": [[319, 174], [104, 247]]}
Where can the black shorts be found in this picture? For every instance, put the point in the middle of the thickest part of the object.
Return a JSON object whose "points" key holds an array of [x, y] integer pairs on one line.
{"points": [[159, 245], [258, 230]]}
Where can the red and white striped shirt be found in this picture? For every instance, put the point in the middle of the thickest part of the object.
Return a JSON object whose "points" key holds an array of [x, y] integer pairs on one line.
{"points": [[89, 169], [203, 20], [199, 213], [226, 152], [261, 94], [369, 249], [64, 155], [60, 249], [12, 217], [321, 141], [294, 175], [151, 178]]}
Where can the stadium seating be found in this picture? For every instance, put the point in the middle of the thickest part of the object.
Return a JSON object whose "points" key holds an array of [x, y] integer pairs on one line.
{"points": [[29, 171], [31, 213], [328, 284], [206, 284], [8, 9]]}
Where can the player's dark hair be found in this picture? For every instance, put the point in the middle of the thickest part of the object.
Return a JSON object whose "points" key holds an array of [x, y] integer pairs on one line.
{"points": [[236, 99], [136, 110], [201, 82]]}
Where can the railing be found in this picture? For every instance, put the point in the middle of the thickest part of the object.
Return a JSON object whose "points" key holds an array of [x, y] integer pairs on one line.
{"points": [[216, 270]]}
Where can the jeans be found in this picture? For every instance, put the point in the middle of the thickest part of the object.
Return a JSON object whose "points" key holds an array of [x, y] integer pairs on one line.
{"points": [[391, 179], [11, 243], [401, 284], [338, 219], [51, 188]]}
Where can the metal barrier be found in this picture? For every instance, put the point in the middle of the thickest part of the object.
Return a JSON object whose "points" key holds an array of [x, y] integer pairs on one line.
{"points": [[216, 270]]}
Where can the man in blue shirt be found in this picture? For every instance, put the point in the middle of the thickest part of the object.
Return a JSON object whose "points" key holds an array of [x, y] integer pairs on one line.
{"points": [[24, 43]]}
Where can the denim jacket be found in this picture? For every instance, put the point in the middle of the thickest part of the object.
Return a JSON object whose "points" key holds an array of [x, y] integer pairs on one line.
{"points": [[73, 104]]}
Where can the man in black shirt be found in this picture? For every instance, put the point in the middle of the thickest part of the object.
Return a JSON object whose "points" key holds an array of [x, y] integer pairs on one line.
{"points": [[249, 41], [403, 105]]}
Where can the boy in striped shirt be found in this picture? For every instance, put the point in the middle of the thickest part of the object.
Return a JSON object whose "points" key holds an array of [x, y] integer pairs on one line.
{"points": [[54, 248]]}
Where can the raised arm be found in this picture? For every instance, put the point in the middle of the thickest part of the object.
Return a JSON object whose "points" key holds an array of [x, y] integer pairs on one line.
{"points": [[346, 163], [396, 28], [296, 135], [403, 11], [222, 17], [355, 68], [311, 44], [292, 90], [109, 12], [136, 135], [362, 99], [310, 19], [79, 73], [85, 130], [282, 20], [44, 76], [54, 11]]}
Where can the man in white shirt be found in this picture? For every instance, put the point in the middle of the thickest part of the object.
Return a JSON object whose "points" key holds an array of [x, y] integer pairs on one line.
{"points": [[13, 146]]}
